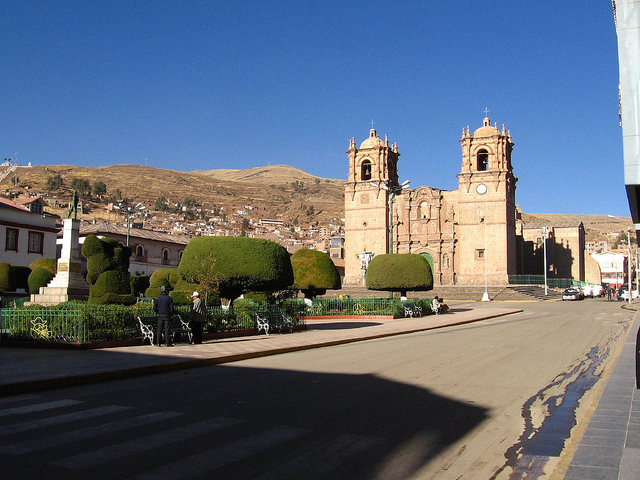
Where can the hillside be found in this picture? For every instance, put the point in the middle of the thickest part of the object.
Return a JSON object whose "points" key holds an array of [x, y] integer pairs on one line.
{"points": [[276, 191]]}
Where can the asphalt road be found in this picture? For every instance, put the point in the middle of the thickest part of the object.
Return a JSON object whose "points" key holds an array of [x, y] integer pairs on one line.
{"points": [[475, 401]]}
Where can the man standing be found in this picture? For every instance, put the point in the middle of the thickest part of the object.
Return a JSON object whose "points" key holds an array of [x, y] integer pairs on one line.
{"points": [[197, 316], [163, 306]]}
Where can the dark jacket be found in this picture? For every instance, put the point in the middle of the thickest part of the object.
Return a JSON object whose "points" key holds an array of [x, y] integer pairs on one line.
{"points": [[163, 305], [198, 311]]}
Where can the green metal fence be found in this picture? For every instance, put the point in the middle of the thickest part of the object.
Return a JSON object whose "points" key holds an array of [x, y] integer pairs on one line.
{"points": [[363, 306], [539, 280]]}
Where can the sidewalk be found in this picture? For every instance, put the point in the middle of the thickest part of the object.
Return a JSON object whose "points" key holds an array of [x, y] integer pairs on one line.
{"points": [[609, 447], [28, 370]]}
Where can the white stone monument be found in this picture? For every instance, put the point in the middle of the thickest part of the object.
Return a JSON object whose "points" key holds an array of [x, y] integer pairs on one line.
{"points": [[68, 283]]}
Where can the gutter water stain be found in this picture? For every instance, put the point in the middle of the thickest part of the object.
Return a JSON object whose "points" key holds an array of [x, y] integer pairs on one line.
{"points": [[560, 400]]}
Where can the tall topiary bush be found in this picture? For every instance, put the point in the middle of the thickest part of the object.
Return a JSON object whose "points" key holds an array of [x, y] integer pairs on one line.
{"points": [[234, 265], [162, 277], [314, 272], [42, 272], [399, 272], [7, 282], [107, 270]]}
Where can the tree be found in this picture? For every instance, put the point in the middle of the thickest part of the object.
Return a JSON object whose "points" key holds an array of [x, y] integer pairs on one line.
{"points": [[54, 182], [99, 188], [161, 204], [399, 272], [81, 185], [314, 272], [235, 265]]}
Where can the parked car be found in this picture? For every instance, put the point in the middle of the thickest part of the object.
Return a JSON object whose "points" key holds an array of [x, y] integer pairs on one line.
{"points": [[573, 293], [597, 290], [623, 293], [587, 290]]}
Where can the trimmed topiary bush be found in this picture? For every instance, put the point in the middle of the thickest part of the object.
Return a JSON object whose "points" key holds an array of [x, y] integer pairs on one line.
{"points": [[104, 254], [7, 281], [107, 270], [112, 284], [399, 272], [39, 277], [50, 264], [42, 272], [234, 265], [314, 272], [166, 277]]}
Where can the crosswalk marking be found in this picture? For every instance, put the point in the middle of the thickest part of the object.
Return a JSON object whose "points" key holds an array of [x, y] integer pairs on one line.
{"points": [[86, 433], [38, 407], [207, 461], [320, 461], [60, 419], [144, 444]]}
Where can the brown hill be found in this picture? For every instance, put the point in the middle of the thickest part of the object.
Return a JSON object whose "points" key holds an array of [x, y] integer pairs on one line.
{"points": [[277, 191], [274, 192]]}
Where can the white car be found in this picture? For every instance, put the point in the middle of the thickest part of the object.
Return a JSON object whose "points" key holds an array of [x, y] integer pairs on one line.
{"points": [[587, 290], [597, 290], [625, 294]]}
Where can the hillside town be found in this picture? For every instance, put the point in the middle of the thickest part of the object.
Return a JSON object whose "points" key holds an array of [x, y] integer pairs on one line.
{"points": [[158, 233]]}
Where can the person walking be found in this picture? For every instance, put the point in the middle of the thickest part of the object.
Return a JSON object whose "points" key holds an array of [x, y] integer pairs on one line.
{"points": [[197, 316], [163, 306]]}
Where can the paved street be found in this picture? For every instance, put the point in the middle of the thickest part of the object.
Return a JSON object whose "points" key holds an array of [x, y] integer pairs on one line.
{"points": [[482, 400]]}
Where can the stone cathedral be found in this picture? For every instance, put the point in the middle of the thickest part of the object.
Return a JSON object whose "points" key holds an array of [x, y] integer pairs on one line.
{"points": [[468, 235]]}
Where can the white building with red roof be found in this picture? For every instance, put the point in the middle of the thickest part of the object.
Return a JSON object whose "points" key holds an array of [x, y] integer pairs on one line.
{"points": [[25, 236]]}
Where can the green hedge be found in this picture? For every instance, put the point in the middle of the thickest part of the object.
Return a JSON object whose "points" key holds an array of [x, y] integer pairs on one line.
{"points": [[7, 281], [39, 277]]}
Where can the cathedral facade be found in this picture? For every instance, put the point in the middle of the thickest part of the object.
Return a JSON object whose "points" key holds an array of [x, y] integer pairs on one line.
{"points": [[468, 235]]}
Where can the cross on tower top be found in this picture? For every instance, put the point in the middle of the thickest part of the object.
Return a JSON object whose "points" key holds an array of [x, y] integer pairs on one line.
{"points": [[372, 122], [486, 112]]}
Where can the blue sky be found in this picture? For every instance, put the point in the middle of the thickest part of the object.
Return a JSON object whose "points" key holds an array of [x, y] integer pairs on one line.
{"points": [[190, 85]]}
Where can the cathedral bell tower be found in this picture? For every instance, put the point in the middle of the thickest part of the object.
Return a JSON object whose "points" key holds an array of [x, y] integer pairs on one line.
{"points": [[373, 169], [486, 230]]}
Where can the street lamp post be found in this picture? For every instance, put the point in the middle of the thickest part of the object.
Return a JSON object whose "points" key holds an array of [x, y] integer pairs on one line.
{"points": [[544, 240], [485, 295], [393, 191]]}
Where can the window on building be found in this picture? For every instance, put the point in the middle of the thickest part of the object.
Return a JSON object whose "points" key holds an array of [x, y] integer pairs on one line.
{"points": [[483, 160], [165, 256], [366, 170], [36, 242], [139, 251], [12, 240], [480, 253]]}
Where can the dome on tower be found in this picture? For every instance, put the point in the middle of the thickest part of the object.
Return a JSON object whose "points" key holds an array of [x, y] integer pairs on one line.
{"points": [[486, 130], [372, 141]]}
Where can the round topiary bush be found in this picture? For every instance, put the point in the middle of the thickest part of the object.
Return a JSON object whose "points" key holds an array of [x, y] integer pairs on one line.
{"points": [[314, 272], [39, 277], [166, 277], [50, 264], [234, 265], [399, 272]]}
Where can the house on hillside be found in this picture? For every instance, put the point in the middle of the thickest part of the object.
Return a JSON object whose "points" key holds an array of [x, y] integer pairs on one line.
{"points": [[27, 236]]}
